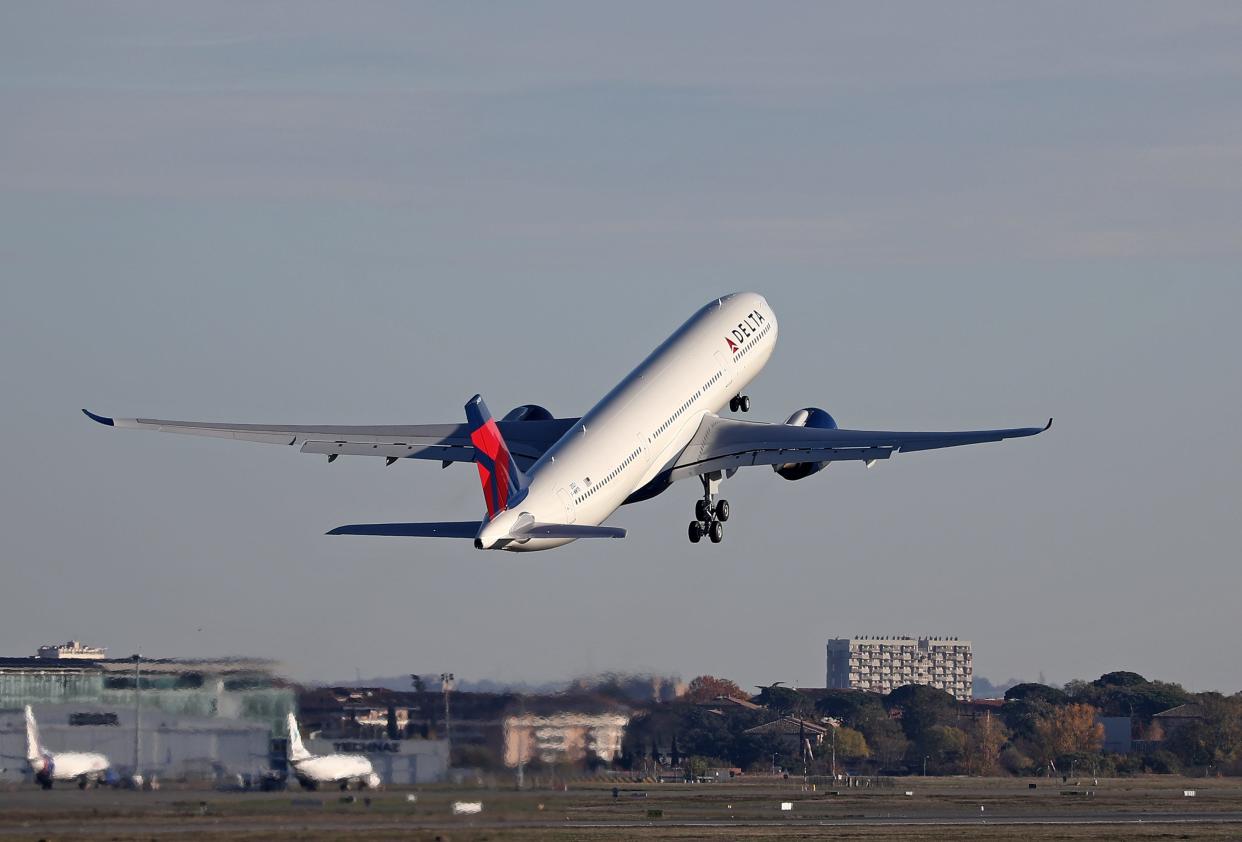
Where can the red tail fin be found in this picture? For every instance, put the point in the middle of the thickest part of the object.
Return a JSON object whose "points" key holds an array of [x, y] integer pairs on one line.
{"points": [[498, 473]]}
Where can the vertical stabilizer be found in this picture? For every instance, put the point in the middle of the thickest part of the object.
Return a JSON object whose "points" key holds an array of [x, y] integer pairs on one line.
{"points": [[498, 473], [297, 752], [33, 750]]}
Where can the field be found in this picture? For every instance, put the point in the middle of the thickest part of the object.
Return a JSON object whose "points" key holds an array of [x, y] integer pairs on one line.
{"points": [[966, 809]]}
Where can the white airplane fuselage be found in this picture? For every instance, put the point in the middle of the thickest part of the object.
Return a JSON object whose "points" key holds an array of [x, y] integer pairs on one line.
{"points": [[334, 768], [638, 429], [70, 766]]}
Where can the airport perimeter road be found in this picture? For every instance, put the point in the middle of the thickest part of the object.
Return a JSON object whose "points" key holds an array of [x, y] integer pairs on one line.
{"points": [[1143, 808]]}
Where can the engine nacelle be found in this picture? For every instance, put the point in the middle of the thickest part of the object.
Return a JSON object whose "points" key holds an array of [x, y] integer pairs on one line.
{"points": [[528, 412], [811, 416]]}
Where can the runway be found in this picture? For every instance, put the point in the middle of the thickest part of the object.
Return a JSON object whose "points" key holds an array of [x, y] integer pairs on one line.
{"points": [[1119, 809]]}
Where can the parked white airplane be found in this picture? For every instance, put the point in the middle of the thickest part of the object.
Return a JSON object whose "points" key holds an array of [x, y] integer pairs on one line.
{"points": [[311, 770], [548, 481], [85, 767]]}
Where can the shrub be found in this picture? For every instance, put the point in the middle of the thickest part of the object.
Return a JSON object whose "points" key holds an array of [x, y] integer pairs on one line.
{"points": [[1015, 762]]}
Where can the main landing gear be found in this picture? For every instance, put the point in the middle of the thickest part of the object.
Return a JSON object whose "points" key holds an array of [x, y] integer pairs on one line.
{"points": [[741, 402], [709, 513]]}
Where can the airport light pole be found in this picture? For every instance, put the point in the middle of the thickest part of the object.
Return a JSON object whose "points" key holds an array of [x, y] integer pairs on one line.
{"points": [[137, 775], [834, 724], [521, 769], [803, 747], [834, 754], [446, 684]]}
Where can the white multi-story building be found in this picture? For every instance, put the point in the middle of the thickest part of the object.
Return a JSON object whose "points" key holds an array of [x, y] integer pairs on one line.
{"points": [[882, 664], [563, 737], [72, 649]]}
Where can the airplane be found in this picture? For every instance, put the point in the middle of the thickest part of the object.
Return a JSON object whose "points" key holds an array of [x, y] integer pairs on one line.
{"points": [[311, 770], [86, 767], [549, 481]]}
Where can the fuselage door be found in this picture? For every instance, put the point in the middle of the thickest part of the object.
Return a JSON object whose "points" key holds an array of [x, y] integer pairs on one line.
{"points": [[568, 503], [726, 366]]}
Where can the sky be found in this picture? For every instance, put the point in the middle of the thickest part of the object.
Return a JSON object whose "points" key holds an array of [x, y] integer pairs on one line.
{"points": [[964, 215]]}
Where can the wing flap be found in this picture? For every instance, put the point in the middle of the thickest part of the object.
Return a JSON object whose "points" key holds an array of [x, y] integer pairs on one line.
{"points": [[776, 456], [723, 443], [235, 435], [402, 450]]}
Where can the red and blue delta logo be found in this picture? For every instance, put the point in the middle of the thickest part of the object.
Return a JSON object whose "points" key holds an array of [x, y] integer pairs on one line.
{"points": [[745, 329]]}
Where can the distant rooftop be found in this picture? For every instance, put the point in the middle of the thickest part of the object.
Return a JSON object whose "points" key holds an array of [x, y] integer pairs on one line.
{"points": [[890, 637], [94, 659], [789, 726], [1190, 710]]}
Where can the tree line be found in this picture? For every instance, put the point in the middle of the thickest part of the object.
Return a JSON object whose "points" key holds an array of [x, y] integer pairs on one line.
{"points": [[1039, 729]]}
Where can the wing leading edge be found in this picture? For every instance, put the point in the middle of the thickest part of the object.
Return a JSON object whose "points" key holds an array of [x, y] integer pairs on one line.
{"points": [[723, 444], [443, 442]]}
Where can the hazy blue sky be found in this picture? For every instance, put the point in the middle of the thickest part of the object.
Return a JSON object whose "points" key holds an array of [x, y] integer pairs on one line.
{"points": [[964, 215]]}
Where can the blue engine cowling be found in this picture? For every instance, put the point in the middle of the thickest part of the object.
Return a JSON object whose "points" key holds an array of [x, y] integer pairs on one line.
{"points": [[811, 416], [528, 412]]}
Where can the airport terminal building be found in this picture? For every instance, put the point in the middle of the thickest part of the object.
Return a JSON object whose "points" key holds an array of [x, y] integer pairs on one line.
{"points": [[882, 664], [201, 719], [228, 688]]}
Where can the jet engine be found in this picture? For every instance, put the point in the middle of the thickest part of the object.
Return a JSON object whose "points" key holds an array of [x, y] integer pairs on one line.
{"points": [[811, 416], [528, 412], [44, 768]]}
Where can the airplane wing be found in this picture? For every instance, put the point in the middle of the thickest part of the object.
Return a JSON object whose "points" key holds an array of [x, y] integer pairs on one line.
{"points": [[527, 440], [722, 444]]}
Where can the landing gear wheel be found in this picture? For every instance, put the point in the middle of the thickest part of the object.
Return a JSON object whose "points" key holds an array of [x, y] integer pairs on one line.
{"points": [[717, 532], [83, 782], [696, 532], [733, 404], [702, 510], [744, 403], [722, 510]]}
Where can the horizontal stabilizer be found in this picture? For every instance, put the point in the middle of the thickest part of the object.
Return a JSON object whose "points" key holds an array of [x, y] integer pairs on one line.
{"points": [[567, 530], [442, 529], [470, 528]]}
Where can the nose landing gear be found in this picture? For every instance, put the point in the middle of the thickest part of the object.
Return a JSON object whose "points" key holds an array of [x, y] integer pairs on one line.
{"points": [[709, 513], [739, 402]]}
